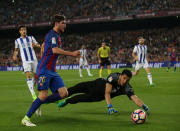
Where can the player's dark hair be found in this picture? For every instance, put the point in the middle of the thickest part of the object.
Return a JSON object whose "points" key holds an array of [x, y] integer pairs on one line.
{"points": [[57, 18], [127, 72], [22, 26]]}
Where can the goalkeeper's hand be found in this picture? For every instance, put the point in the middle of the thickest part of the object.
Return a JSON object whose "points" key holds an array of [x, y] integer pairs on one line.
{"points": [[147, 109], [111, 110]]}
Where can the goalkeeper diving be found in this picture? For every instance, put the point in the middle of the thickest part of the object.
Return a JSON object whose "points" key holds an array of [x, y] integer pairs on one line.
{"points": [[104, 89]]}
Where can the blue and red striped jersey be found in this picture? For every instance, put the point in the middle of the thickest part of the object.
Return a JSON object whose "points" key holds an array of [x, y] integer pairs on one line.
{"points": [[48, 60], [173, 56]]}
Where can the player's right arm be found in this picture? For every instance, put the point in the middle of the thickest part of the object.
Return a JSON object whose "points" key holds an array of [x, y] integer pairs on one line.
{"points": [[60, 51], [134, 53], [56, 50], [108, 91], [42, 49], [16, 50]]}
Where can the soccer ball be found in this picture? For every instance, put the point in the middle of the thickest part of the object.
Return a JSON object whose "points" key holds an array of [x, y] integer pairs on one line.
{"points": [[138, 116]]}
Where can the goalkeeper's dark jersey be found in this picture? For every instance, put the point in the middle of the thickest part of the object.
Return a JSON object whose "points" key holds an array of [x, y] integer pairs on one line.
{"points": [[116, 89]]}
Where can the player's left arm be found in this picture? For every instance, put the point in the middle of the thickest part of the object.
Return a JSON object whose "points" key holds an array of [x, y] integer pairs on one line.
{"points": [[140, 103], [35, 43], [108, 99], [109, 53]]}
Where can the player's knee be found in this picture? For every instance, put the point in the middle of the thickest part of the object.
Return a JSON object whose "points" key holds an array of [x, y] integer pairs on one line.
{"points": [[64, 93], [42, 97]]}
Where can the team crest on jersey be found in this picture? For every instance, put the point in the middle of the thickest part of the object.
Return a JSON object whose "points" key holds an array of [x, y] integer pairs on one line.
{"points": [[53, 40], [110, 79], [41, 80]]}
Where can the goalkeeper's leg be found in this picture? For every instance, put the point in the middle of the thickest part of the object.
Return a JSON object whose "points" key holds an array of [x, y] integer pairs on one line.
{"points": [[79, 98]]}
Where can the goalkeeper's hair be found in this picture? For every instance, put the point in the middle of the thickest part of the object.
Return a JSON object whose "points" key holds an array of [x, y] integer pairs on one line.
{"points": [[57, 18], [127, 72]]}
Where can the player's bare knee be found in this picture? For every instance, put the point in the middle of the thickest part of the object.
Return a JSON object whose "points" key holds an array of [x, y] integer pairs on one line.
{"points": [[63, 92]]}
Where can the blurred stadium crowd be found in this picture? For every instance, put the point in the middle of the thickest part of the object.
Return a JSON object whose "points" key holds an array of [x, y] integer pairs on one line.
{"points": [[159, 42], [31, 11]]}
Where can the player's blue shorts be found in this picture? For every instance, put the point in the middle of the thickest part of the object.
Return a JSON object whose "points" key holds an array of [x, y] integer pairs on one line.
{"points": [[173, 62], [50, 80]]}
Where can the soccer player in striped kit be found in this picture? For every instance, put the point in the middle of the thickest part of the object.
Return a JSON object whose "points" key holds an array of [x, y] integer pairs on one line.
{"points": [[29, 61], [140, 56], [83, 61]]}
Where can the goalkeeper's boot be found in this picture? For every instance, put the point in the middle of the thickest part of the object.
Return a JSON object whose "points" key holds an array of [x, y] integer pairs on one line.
{"points": [[62, 104], [26, 122]]}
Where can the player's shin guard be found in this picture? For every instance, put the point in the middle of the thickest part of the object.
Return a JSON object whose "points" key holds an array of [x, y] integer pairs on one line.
{"points": [[52, 98], [80, 71], [88, 70], [109, 71], [35, 105], [100, 73], [150, 78]]}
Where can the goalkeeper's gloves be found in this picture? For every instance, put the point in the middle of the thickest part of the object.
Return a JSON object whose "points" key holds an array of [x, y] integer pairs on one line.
{"points": [[146, 108], [111, 110]]}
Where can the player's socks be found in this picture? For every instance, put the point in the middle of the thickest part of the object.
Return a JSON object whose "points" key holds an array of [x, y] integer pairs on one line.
{"points": [[80, 72], [35, 105], [109, 71], [150, 78], [30, 86], [88, 70], [100, 73], [175, 69], [52, 98], [34, 97], [34, 82]]}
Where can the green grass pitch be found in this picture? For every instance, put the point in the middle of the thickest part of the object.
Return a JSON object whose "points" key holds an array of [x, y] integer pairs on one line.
{"points": [[163, 100]]}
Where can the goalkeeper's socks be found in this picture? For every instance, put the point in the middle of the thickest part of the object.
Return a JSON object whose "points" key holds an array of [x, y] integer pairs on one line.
{"points": [[175, 69], [52, 98], [35, 105]]}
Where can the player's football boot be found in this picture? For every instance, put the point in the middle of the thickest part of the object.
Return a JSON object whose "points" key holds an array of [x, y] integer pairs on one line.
{"points": [[26, 122], [152, 85], [90, 75], [62, 104], [81, 75]]}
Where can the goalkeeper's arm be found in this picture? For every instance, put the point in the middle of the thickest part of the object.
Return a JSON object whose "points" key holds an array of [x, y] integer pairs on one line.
{"points": [[140, 103], [108, 99]]}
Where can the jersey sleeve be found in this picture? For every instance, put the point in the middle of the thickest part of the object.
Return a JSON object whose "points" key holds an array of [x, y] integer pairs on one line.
{"points": [[99, 51], [111, 79], [53, 41], [129, 90], [16, 44], [34, 40], [135, 49]]}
